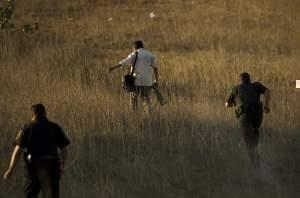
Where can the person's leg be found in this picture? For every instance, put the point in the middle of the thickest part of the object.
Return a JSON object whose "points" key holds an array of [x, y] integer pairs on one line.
{"points": [[145, 97], [134, 99], [257, 121], [55, 177], [251, 139], [31, 186], [48, 175], [251, 136], [254, 145]]}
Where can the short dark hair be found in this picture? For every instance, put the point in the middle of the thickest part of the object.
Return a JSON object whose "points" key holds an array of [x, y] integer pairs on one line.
{"points": [[39, 110], [138, 44], [245, 77]]}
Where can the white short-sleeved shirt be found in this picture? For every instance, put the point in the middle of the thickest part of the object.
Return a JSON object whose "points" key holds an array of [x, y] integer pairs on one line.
{"points": [[144, 67]]}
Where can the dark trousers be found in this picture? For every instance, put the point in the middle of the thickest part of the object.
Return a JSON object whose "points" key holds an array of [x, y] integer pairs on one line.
{"points": [[142, 93], [42, 176], [249, 126]]}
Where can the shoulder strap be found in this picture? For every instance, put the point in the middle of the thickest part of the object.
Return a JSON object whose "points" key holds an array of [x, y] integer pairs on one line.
{"points": [[134, 63]]}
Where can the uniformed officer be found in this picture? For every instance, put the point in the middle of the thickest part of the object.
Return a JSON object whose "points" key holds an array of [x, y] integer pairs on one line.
{"points": [[245, 97], [43, 144]]}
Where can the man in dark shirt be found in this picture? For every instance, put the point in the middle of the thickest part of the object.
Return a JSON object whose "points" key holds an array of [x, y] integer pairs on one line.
{"points": [[245, 97], [40, 140]]}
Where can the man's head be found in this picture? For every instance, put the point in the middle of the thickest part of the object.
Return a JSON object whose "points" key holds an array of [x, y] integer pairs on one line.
{"points": [[245, 77], [138, 44], [38, 111]]}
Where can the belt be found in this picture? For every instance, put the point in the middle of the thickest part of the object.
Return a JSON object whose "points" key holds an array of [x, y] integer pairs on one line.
{"points": [[44, 157]]}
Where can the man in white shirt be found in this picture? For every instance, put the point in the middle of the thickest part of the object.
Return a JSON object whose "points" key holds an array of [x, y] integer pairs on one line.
{"points": [[146, 73]]}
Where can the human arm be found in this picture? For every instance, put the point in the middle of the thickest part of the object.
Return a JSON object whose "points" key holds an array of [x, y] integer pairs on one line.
{"points": [[112, 68], [155, 66], [62, 143], [13, 162], [125, 62], [21, 142], [267, 96], [156, 75], [228, 104], [231, 98], [64, 156]]}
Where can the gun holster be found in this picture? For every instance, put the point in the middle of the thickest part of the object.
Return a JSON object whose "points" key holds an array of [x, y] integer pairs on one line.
{"points": [[27, 157]]}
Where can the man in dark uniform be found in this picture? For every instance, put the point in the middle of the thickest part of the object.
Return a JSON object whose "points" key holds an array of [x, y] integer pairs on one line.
{"points": [[40, 140], [245, 97]]}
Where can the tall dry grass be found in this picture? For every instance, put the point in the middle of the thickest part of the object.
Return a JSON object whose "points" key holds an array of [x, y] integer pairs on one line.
{"points": [[189, 148]]}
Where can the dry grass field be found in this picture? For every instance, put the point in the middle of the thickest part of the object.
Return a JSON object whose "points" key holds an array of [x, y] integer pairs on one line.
{"points": [[189, 148]]}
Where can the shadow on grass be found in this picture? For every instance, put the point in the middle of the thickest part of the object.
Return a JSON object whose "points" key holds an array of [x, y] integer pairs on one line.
{"points": [[173, 158]]}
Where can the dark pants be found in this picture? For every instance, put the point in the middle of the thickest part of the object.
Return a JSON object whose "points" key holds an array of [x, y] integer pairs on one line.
{"points": [[42, 175], [142, 93], [249, 126]]}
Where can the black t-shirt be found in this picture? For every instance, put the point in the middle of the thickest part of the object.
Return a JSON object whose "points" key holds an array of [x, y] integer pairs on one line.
{"points": [[247, 94], [42, 138]]}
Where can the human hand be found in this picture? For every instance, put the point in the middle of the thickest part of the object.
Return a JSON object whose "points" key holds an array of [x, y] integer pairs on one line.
{"points": [[110, 69], [155, 84], [7, 173], [227, 104], [62, 168]]}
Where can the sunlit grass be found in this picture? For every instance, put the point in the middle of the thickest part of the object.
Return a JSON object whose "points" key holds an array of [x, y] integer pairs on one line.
{"points": [[188, 148]]}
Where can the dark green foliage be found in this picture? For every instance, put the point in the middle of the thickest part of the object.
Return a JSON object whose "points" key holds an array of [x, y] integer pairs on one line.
{"points": [[7, 23], [6, 15], [30, 27]]}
